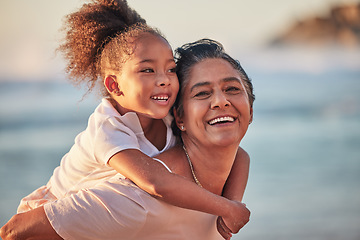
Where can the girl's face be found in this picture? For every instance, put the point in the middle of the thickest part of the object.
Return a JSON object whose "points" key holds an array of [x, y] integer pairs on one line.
{"points": [[216, 105], [148, 81]]}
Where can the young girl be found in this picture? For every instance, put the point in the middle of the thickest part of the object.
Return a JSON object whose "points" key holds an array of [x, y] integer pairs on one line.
{"points": [[109, 42]]}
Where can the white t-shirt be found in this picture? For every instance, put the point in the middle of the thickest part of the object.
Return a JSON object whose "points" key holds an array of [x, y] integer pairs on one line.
{"points": [[107, 133], [118, 209]]}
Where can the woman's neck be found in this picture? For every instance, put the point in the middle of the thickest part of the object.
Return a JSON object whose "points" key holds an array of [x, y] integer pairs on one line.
{"points": [[211, 166]]}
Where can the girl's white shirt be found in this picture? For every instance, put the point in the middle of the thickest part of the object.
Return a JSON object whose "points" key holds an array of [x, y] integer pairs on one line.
{"points": [[93, 201], [107, 133]]}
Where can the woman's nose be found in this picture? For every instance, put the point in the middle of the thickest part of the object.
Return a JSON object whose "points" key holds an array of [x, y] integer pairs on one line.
{"points": [[219, 100]]}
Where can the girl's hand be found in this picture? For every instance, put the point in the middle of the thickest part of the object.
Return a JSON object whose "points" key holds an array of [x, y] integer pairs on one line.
{"points": [[237, 219]]}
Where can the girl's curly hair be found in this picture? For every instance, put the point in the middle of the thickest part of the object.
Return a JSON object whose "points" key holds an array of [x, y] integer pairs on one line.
{"points": [[96, 38]]}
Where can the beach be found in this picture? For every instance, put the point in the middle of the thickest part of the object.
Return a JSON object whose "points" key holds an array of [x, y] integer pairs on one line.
{"points": [[304, 143]]}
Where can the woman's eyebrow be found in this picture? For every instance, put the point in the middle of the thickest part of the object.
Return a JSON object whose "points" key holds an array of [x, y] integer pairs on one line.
{"points": [[227, 79], [231, 79], [200, 84]]}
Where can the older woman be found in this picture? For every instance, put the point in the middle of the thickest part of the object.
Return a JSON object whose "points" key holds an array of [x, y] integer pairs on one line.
{"points": [[212, 114]]}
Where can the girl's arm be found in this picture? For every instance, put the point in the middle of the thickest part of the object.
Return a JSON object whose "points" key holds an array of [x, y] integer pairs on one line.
{"points": [[176, 190]]}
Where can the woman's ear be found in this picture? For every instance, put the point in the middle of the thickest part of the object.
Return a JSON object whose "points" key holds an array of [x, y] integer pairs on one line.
{"points": [[251, 115], [178, 120], [112, 85]]}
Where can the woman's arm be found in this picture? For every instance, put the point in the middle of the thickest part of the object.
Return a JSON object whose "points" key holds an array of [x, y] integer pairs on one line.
{"points": [[235, 185], [234, 190], [29, 225], [174, 189]]}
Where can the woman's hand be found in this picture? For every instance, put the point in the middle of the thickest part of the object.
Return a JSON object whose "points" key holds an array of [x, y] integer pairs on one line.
{"points": [[224, 231], [233, 222], [29, 225]]}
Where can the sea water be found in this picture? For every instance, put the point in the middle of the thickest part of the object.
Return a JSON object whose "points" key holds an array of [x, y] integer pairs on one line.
{"points": [[305, 158], [304, 145]]}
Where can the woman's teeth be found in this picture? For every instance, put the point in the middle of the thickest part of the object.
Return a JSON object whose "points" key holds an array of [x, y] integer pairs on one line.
{"points": [[221, 119]]}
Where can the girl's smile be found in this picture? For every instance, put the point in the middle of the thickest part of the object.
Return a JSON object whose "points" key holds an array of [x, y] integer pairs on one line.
{"points": [[161, 99], [148, 81]]}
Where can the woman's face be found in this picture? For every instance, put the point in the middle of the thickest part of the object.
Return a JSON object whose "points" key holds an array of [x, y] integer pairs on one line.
{"points": [[216, 105]]}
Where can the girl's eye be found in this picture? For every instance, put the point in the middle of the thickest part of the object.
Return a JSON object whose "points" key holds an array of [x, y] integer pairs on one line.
{"points": [[172, 70], [147, 70]]}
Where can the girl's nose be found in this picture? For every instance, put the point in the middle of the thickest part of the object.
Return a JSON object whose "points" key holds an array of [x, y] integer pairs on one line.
{"points": [[163, 80]]}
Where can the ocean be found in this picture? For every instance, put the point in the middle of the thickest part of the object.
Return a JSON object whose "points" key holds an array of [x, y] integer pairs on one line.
{"points": [[304, 145]]}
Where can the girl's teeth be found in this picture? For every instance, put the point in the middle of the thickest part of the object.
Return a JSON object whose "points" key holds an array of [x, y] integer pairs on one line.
{"points": [[161, 98]]}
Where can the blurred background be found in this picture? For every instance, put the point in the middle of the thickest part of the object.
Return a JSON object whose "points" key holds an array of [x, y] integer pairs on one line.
{"points": [[304, 142]]}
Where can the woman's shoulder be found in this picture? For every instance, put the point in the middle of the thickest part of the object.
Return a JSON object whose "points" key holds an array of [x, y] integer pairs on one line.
{"points": [[242, 154], [173, 159]]}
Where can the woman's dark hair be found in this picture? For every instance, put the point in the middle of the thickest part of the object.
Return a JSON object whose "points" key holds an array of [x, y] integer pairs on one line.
{"points": [[98, 37], [192, 53]]}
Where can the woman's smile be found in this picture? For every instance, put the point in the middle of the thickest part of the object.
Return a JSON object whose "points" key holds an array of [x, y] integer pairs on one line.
{"points": [[216, 102], [222, 120]]}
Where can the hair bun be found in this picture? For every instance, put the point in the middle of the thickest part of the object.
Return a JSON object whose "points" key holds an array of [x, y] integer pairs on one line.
{"points": [[87, 32]]}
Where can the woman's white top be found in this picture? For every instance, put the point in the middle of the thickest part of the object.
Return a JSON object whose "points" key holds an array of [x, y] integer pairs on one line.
{"points": [[118, 209]]}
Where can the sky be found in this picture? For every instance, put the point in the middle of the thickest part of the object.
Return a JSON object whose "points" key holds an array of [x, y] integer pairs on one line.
{"points": [[30, 29]]}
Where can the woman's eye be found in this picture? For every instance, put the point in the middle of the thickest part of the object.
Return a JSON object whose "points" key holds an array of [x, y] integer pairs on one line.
{"points": [[147, 70], [202, 94], [233, 89]]}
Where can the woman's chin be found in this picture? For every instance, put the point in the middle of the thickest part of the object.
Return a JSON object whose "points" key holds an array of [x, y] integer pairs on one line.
{"points": [[226, 141]]}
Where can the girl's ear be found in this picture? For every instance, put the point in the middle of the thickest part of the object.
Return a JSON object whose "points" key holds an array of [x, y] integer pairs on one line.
{"points": [[178, 120], [112, 85]]}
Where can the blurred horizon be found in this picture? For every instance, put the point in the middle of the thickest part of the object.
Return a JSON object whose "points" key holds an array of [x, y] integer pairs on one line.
{"points": [[30, 33]]}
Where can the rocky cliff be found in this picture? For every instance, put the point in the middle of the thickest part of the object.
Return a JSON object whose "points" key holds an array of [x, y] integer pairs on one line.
{"points": [[340, 27]]}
